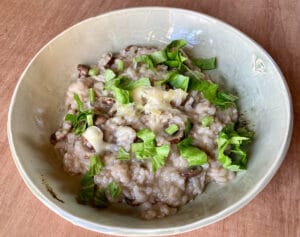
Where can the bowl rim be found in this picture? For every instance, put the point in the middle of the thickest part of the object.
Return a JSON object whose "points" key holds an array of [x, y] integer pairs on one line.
{"points": [[121, 231]]}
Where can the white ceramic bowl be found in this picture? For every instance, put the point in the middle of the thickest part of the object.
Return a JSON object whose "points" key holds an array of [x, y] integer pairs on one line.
{"points": [[36, 111]]}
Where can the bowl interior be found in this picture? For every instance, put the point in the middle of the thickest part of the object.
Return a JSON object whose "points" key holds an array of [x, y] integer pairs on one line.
{"points": [[38, 108]]}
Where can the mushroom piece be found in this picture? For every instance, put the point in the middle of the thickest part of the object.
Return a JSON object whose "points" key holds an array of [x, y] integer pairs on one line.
{"points": [[106, 59], [104, 103], [131, 202], [83, 70], [100, 119], [53, 139], [191, 171]]}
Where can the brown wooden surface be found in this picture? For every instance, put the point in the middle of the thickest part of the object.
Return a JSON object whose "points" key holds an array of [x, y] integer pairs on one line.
{"points": [[25, 26]]}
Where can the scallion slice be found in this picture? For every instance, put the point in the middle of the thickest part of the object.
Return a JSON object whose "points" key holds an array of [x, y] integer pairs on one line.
{"points": [[173, 128]]}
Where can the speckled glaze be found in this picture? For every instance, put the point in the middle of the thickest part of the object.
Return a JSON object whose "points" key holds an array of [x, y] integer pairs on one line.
{"points": [[243, 66]]}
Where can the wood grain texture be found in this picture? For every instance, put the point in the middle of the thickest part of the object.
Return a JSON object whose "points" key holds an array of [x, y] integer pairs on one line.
{"points": [[25, 26]]}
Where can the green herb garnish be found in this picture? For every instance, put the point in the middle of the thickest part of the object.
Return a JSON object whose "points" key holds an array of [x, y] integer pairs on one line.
{"points": [[89, 120], [95, 165], [207, 120], [109, 74], [100, 199], [174, 55], [82, 119], [146, 59], [231, 149], [120, 65], [86, 193], [158, 160], [225, 100], [179, 81], [148, 149], [114, 190], [122, 86], [193, 155], [174, 46], [122, 154], [170, 56], [211, 93], [158, 57], [205, 63], [128, 84], [91, 95], [174, 79], [173, 128], [87, 189], [209, 90], [94, 71], [122, 96], [78, 102], [187, 127]]}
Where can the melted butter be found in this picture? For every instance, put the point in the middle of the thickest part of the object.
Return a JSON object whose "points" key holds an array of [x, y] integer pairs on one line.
{"points": [[126, 110], [155, 99]]}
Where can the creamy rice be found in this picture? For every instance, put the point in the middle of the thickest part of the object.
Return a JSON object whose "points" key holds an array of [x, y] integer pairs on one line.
{"points": [[154, 194]]}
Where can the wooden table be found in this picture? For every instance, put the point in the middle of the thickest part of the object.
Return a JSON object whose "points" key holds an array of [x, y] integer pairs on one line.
{"points": [[25, 26]]}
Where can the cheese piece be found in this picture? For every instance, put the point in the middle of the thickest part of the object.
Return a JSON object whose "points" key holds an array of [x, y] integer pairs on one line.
{"points": [[156, 100], [94, 136]]}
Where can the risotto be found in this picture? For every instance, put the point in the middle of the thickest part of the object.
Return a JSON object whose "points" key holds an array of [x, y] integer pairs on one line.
{"points": [[146, 127]]}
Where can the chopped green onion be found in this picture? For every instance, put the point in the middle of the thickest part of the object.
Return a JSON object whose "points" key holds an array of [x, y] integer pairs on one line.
{"points": [[122, 96], [205, 63], [148, 150], [187, 127], [146, 59], [122, 86], [122, 154], [78, 102], [176, 45], [81, 119], [100, 199], [179, 81], [138, 150], [158, 160], [95, 165], [225, 100], [109, 85], [87, 189], [86, 193], [71, 117], [173, 128], [146, 135], [160, 82], [211, 93], [242, 131], [91, 95], [89, 120], [128, 84], [175, 79], [231, 151], [158, 57], [170, 56], [207, 120], [193, 155], [175, 57], [114, 190], [94, 71], [80, 128], [109, 74], [120, 65]]}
